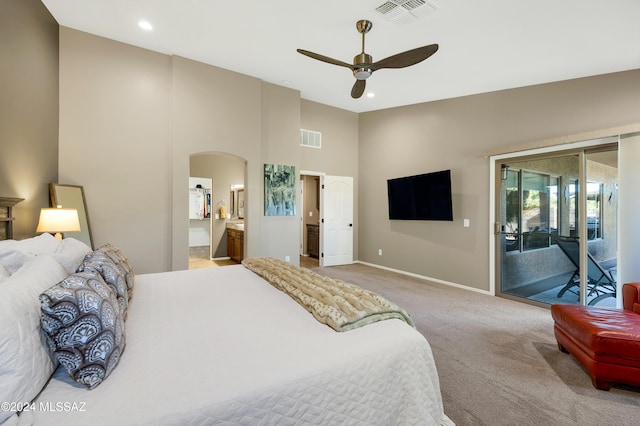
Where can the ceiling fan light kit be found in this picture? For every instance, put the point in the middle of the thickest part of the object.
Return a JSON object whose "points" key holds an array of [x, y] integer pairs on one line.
{"points": [[363, 72], [363, 65]]}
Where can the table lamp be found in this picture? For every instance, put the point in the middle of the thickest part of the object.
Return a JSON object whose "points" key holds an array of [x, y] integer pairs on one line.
{"points": [[58, 220]]}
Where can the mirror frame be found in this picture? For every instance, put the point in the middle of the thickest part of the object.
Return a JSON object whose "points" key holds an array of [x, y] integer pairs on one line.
{"points": [[56, 193], [241, 204]]}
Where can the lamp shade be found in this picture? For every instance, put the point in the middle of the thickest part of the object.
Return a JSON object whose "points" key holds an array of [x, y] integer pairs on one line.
{"points": [[58, 220]]}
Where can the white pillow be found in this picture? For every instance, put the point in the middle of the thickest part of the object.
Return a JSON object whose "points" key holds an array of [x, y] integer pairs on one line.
{"points": [[12, 259], [25, 363], [70, 254], [13, 254], [7, 243], [3, 273], [43, 243]]}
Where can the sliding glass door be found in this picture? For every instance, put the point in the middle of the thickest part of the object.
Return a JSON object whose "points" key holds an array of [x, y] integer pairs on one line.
{"points": [[540, 240]]}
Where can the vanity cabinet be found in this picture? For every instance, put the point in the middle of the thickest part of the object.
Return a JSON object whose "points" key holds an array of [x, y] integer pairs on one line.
{"points": [[313, 240], [235, 244]]}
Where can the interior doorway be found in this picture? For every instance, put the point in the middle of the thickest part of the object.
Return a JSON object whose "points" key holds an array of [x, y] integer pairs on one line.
{"points": [[556, 226], [224, 212], [310, 220], [326, 222]]}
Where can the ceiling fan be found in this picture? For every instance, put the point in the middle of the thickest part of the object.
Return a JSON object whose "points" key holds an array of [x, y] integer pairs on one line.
{"points": [[363, 65]]}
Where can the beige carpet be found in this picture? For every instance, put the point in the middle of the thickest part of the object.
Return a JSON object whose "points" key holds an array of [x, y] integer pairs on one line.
{"points": [[497, 359]]}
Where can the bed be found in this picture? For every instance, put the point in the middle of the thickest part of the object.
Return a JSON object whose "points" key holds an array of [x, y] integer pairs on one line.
{"points": [[215, 346]]}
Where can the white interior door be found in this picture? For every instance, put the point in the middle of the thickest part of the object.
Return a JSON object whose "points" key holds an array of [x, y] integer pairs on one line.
{"points": [[336, 226]]}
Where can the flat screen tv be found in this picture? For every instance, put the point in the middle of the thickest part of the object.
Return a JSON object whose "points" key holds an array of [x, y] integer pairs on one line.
{"points": [[421, 197]]}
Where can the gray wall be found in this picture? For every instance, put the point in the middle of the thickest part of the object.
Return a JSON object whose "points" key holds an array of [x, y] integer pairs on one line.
{"points": [[339, 153], [453, 134], [130, 119], [28, 108], [280, 137], [115, 141], [213, 110], [629, 205]]}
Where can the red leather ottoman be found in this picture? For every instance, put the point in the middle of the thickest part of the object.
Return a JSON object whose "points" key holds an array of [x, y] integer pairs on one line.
{"points": [[605, 341]]}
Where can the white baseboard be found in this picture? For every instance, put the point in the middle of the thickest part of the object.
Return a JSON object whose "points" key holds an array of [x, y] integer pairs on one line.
{"points": [[422, 277]]}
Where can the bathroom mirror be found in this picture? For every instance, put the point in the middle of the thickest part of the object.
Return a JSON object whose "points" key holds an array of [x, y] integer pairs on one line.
{"points": [[72, 197], [241, 203], [237, 201]]}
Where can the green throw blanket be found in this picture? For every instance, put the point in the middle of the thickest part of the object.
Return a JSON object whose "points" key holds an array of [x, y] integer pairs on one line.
{"points": [[342, 306]]}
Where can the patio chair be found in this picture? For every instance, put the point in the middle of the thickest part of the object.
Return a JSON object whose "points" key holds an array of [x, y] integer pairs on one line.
{"points": [[600, 282]]}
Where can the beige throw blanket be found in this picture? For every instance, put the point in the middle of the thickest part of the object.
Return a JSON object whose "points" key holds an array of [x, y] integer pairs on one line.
{"points": [[342, 306]]}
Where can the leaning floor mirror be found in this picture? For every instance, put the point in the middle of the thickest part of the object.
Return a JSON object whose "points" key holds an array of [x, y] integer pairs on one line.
{"points": [[72, 197]]}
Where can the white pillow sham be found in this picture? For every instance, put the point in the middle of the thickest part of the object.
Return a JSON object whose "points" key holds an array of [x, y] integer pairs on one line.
{"points": [[13, 254], [7, 243], [12, 259], [3, 274], [43, 243], [70, 254], [25, 363]]}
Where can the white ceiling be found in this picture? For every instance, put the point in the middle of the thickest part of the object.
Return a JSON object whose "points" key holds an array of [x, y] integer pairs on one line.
{"points": [[485, 45]]}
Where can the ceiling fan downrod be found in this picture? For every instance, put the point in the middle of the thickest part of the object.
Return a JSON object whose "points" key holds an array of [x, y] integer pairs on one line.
{"points": [[362, 62]]}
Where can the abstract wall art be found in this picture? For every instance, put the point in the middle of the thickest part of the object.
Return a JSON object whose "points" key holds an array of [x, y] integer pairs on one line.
{"points": [[279, 190]]}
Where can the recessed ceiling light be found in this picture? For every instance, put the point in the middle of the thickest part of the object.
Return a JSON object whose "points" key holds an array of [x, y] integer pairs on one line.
{"points": [[145, 25], [371, 95]]}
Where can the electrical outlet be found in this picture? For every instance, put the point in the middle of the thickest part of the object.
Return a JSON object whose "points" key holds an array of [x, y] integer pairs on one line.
{"points": [[379, 252], [287, 259], [466, 223]]}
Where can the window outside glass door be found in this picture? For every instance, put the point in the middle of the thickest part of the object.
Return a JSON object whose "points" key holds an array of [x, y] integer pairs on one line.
{"points": [[540, 209]]}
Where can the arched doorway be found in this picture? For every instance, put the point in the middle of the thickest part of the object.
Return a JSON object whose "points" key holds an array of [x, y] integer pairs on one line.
{"points": [[209, 232]]}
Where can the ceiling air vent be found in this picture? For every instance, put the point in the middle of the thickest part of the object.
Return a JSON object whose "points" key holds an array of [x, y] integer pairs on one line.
{"points": [[405, 11], [310, 138]]}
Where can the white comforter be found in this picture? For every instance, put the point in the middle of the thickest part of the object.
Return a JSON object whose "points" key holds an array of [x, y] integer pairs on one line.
{"points": [[221, 346]]}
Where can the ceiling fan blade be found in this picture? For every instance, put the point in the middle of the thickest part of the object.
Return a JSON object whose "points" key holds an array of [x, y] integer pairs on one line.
{"points": [[358, 88], [324, 58], [405, 59]]}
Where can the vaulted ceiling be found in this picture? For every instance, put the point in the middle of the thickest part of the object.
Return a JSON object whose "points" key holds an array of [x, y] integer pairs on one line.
{"points": [[483, 45]]}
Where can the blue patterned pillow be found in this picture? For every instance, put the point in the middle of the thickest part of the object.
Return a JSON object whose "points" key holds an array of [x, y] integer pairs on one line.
{"points": [[116, 255], [84, 327], [114, 275]]}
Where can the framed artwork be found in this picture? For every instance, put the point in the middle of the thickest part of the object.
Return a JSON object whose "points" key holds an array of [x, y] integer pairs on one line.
{"points": [[279, 190]]}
